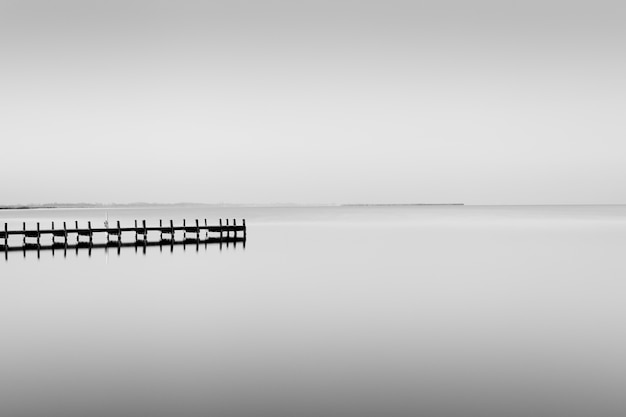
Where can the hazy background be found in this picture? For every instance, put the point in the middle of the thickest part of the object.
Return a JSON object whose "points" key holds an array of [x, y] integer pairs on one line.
{"points": [[313, 101]]}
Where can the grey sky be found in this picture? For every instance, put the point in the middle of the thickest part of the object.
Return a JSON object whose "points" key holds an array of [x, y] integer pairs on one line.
{"points": [[480, 102]]}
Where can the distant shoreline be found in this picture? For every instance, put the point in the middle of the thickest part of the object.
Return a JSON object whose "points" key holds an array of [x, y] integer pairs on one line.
{"points": [[104, 206], [151, 205]]}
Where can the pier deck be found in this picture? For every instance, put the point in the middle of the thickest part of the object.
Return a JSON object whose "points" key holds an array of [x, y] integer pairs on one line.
{"points": [[226, 232]]}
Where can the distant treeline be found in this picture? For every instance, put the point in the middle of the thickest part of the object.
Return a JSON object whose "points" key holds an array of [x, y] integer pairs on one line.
{"points": [[139, 205], [90, 205]]}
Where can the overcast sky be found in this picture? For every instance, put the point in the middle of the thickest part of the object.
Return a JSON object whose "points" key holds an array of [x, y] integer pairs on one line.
{"points": [[314, 101]]}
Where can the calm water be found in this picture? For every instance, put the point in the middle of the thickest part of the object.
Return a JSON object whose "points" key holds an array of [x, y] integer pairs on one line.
{"points": [[502, 311]]}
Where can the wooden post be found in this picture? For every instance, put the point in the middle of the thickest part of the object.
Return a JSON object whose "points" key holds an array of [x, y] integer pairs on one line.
{"points": [[244, 229], [119, 232], [136, 234], [38, 234], [207, 229], [90, 232], [184, 230], [227, 230], [145, 232], [197, 229], [65, 232], [235, 230], [220, 231], [6, 236], [172, 228], [161, 228], [76, 222], [24, 224]]}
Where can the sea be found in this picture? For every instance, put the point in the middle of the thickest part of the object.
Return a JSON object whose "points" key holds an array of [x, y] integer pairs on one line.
{"points": [[325, 311]]}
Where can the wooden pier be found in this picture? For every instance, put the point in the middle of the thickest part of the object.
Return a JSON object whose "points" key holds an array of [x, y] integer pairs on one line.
{"points": [[61, 237]]}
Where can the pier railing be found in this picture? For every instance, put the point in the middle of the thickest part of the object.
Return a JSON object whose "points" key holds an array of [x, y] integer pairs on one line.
{"points": [[31, 238]]}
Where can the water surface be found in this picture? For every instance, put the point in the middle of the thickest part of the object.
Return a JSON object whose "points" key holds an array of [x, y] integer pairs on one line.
{"points": [[503, 311]]}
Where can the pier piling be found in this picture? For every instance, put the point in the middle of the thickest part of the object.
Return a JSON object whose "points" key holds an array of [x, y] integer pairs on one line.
{"points": [[196, 230]]}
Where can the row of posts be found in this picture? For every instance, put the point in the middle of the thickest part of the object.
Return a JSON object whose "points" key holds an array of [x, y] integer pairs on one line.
{"points": [[117, 231]]}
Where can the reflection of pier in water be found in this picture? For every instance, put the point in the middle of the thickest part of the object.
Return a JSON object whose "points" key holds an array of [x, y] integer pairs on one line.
{"points": [[228, 234], [118, 245]]}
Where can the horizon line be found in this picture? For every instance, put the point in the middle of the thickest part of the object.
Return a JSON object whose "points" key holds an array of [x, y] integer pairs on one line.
{"points": [[283, 205]]}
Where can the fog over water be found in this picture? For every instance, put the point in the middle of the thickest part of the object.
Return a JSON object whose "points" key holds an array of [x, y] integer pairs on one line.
{"points": [[476, 310], [313, 101], [405, 311]]}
